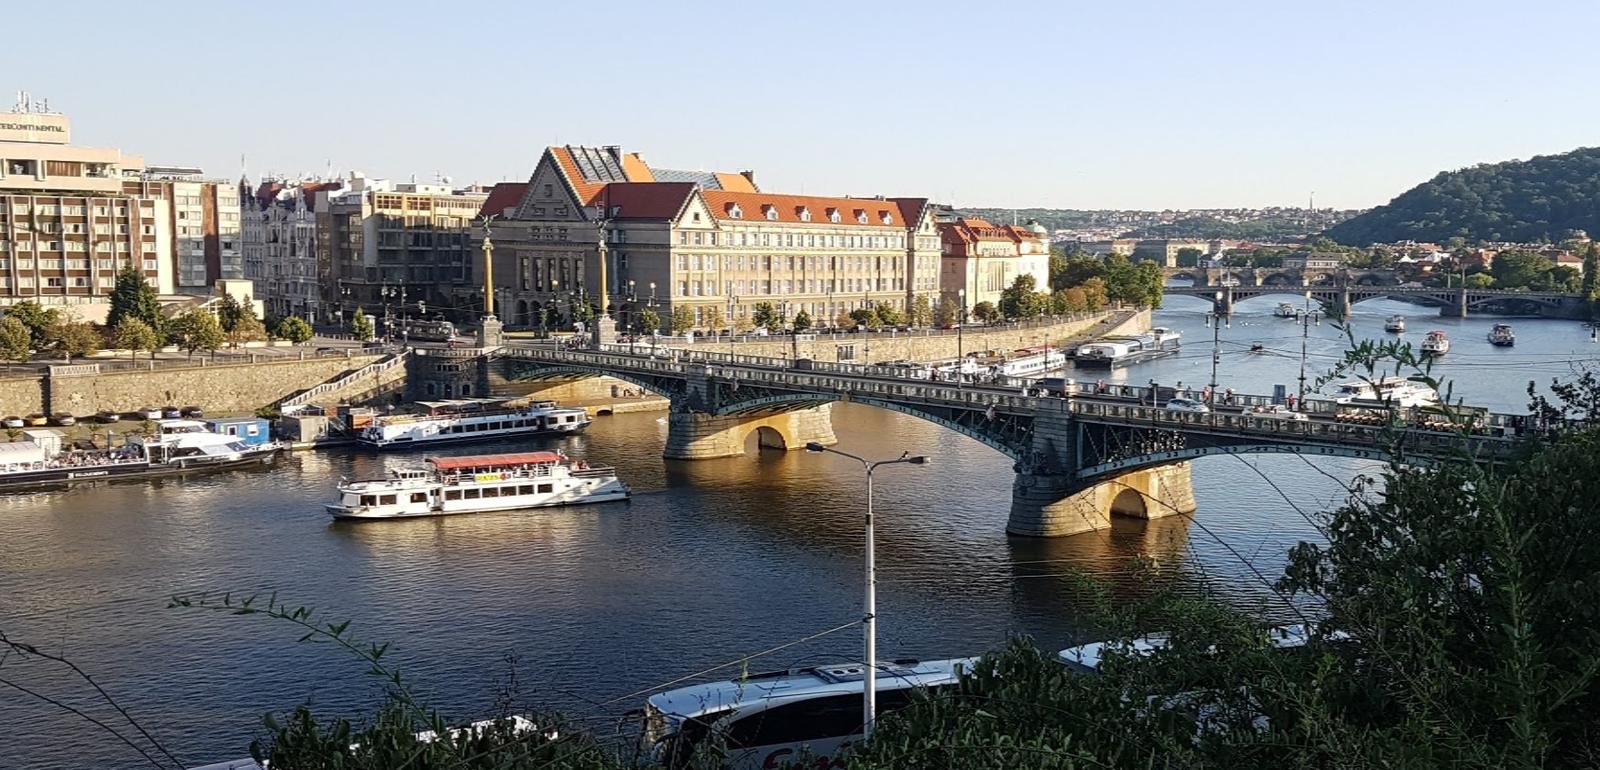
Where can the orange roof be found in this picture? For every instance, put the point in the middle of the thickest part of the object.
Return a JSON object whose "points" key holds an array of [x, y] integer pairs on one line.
{"points": [[644, 200], [735, 182], [503, 196], [569, 168], [788, 208], [636, 169], [491, 461]]}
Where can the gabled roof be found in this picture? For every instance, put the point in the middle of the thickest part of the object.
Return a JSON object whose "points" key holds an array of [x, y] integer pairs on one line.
{"points": [[505, 195], [644, 200], [755, 206], [588, 169]]}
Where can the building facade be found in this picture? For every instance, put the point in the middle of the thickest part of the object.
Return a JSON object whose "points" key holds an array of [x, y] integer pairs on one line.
{"points": [[714, 243], [979, 259], [205, 224], [278, 244], [67, 223]]}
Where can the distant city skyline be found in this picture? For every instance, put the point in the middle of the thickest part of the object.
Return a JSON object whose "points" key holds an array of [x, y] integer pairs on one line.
{"points": [[1137, 106]]}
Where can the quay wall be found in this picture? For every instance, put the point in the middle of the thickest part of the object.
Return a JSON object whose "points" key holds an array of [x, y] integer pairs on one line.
{"points": [[21, 396], [219, 389], [924, 346]]}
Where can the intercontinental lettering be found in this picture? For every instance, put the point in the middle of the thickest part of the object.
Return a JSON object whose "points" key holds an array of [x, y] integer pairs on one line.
{"points": [[32, 127]]}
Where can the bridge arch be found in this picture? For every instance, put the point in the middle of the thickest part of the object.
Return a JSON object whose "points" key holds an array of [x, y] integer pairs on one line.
{"points": [[768, 437], [766, 403], [527, 373]]}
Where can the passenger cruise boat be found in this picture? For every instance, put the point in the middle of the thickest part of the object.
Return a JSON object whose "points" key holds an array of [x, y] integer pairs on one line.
{"points": [[766, 720], [479, 483], [471, 419], [176, 446], [1501, 336], [1023, 362], [1112, 352], [1395, 324], [1435, 344], [1286, 310], [1388, 391]]}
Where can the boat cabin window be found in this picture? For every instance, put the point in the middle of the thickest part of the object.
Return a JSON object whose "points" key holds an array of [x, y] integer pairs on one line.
{"points": [[491, 491], [814, 719], [369, 499], [472, 494], [387, 500], [570, 418], [454, 494], [525, 489], [545, 489], [419, 497]]}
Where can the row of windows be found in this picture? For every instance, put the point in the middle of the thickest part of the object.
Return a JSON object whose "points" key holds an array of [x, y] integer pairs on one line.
{"points": [[737, 288], [474, 493], [795, 240], [791, 262]]}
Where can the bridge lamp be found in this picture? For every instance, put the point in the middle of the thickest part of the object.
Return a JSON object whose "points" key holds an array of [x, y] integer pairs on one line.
{"points": [[869, 615]]}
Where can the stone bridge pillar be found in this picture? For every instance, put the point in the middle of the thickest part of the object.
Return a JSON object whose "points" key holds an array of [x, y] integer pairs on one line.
{"points": [[1048, 500], [701, 436], [1461, 303], [1223, 304]]}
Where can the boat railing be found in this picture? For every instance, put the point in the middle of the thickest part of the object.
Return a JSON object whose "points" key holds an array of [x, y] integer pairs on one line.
{"points": [[594, 471], [406, 419]]}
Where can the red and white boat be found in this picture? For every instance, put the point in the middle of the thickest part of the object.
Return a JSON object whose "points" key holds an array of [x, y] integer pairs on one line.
{"points": [[478, 483]]}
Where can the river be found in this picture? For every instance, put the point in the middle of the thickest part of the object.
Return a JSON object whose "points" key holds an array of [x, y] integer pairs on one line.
{"points": [[710, 561]]}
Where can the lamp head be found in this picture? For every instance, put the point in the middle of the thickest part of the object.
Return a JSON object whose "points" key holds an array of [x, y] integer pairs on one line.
{"points": [[812, 446], [917, 460]]}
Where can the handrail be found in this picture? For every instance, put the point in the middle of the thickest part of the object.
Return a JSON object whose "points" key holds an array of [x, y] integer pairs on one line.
{"points": [[376, 367]]}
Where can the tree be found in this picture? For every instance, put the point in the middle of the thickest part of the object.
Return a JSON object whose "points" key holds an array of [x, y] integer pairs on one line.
{"points": [[1591, 270], [1189, 256], [15, 341], [1073, 271], [682, 319], [134, 335], [986, 312], [247, 329], [229, 311], [742, 325], [1021, 300], [1520, 269], [647, 321], [134, 297], [1149, 282], [1480, 281], [360, 326], [889, 315], [945, 317], [864, 317], [197, 330], [802, 320], [1073, 300], [75, 338], [39, 320], [294, 329], [921, 311], [766, 316], [714, 319], [1095, 295], [843, 319]]}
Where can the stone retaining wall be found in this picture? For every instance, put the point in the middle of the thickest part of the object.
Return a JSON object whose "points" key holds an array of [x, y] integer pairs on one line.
{"points": [[21, 396], [219, 390]]}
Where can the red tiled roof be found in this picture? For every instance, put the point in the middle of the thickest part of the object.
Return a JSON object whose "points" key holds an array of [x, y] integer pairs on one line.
{"points": [[505, 195], [488, 461], [644, 200], [636, 169], [911, 209], [735, 182], [755, 205], [569, 168]]}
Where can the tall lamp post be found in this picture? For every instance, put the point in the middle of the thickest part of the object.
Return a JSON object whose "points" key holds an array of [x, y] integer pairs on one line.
{"points": [[1216, 320], [869, 614], [1307, 317]]}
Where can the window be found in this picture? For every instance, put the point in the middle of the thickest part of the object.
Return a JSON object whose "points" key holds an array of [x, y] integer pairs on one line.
{"points": [[525, 489], [454, 494], [419, 497], [545, 489], [387, 499], [473, 494], [809, 720], [846, 353], [549, 190], [772, 213], [805, 214], [735, 212], [833, 215], [491, 491]]}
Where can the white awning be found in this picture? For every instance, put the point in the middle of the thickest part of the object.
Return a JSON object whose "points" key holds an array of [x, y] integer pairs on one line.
{"points": [[21, 452]]}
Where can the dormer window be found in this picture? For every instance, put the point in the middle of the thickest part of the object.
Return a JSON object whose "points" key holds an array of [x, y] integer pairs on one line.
{"points": [[861, 216], [804, 213], [888, 220], [833, 215], [734, 212], [771, 212]]}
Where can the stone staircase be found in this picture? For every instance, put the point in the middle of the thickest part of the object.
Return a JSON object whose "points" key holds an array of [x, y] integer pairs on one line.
{"points": [[377, 378]]}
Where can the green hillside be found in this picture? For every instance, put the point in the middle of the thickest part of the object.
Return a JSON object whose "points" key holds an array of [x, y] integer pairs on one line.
{"points": [[1539, 199]]}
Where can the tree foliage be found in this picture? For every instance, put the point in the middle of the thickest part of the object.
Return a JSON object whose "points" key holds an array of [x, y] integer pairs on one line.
{"points": [[986, 312], [197, 330], [682, 319], [714, 319], [766, 316], [1538, 199], [75, 338], [921, 314], [360, 326], [865, 317], [1021, 300], [802, 320], [294, 329], [134, 335], [15, 341], [647, 321], [889, 315], [947, 314], [134, 297], [40, 321]]}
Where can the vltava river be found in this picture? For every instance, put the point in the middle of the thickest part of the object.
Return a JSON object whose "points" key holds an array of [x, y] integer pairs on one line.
{"points": [[710, 561]]}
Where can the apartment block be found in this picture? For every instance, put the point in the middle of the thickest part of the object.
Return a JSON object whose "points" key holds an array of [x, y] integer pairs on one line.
{"points": [[205, 224]]}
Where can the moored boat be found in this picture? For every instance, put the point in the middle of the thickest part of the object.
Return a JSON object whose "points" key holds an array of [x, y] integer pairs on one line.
{"points": [[1502, 336], [1435, 344], [1122, 351], [1286, 310], [1387, 391], [1395, 324], [177, 446], [471, 419], [479, 483]]}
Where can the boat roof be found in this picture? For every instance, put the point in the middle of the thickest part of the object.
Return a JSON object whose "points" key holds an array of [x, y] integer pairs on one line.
{"points": [[801, 683], [487, 461], [1089, 656], [462, 402], [182, 424]]}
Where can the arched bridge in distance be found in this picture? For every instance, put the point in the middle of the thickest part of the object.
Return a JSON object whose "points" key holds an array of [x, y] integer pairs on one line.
{"points": [[1078, 459], [1337, 290]]}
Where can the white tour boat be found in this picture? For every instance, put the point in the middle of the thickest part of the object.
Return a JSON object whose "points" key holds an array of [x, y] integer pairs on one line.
{"points": [[766, 720], [479, 483], [1501, 336], [1286, 310], [1389, 391], [1112, 352], [1026, 362], [471, 419], [1435, 344], [1395, 324]]}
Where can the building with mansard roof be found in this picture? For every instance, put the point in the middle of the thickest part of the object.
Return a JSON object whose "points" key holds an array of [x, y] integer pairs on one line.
{"points": [[980, 259], [712, 242]]}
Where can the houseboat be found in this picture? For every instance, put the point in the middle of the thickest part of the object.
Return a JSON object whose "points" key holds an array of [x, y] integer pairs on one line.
{"points": [[1286, 310], [176, 446], [1501, 336], [1435, 344], [1388, 391], [479, 483], [1029, 362], [1396, 324], [767, 720], [1113, 352], [471, 419]]}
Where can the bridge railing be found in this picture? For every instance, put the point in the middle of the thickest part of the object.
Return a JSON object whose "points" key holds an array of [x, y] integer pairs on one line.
{"points": [[1433, 437]]}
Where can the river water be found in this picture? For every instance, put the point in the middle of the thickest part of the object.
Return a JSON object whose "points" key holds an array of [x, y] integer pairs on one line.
{"points": [[710, 561]]}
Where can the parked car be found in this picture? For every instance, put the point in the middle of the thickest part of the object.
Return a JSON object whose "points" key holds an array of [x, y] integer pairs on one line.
{"points": [[37, 420], [373, 345], [1187, 405], [107, 417], [193, 411], [1277, 412], [172, 413], [63, 419], [147, 413], [13, 422]]}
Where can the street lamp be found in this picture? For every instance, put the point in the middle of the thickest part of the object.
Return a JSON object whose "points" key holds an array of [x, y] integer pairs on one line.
{"points": [[869, 611], [1215, 320]]}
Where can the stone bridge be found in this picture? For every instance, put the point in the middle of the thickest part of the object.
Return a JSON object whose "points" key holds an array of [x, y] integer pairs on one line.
{"points": [[1337, 299], [1282, 276], [1078, 459]]}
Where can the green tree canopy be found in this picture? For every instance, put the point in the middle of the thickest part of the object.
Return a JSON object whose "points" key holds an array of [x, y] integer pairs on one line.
{"points": [[802, 320], [865, 316], [947, 313], [1021, 300], [714, 319], [766, 316], [360, 325], [134, 297], [889, 315], [41, 321], [647, 321], [921, 311], [294, 329], [75, 338], [196, 330], [15, 341], [682, 319], [134, 335], [986, 312]]}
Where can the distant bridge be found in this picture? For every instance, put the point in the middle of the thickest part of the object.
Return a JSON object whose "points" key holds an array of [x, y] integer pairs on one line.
{"points": [[1338, 299], [1077, 459]]}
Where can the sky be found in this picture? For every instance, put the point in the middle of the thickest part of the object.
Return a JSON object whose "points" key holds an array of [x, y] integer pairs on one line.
{"points": [[1061, 104]]}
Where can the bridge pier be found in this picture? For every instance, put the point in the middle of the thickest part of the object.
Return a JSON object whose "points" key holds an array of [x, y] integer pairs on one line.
{"points": [[1461, 302], [1049, 505], [702, 436]]}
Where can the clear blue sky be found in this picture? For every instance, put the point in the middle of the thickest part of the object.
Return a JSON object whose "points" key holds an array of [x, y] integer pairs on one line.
{"points": [[1068, 104]]}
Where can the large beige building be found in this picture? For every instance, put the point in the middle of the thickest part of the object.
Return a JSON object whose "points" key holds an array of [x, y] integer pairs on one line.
{"points": [[205, 224], [67, 223], [980, 259], [712, 242]]}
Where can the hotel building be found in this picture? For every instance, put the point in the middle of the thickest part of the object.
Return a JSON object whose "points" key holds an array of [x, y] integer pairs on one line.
{"points": [[712, 242]]}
